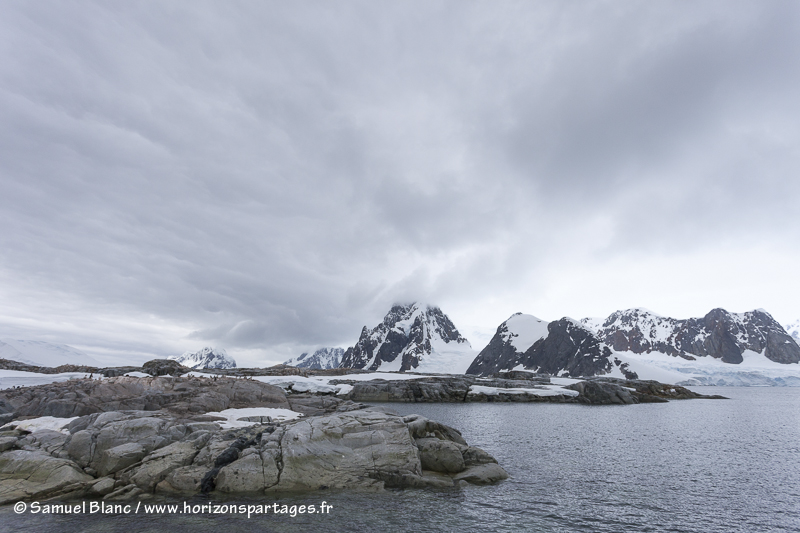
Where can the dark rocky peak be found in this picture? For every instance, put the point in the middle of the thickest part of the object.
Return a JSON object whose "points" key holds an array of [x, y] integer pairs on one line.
{"points": [[498, 355], [568, 348], [397, 313], [408, 331]]}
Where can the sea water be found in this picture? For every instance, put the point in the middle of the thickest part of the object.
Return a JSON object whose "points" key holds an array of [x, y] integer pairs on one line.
{"points": [[683, 466]]}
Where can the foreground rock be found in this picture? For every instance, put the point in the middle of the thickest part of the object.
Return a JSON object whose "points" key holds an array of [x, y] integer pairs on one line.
{"points": [[127, 454], [129, 437]]}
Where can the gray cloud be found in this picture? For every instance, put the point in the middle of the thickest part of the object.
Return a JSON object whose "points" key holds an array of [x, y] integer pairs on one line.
{"points": [[271, 176]]}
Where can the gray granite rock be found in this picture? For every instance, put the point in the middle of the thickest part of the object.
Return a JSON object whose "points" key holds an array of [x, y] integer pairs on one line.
{"points": [[26, 474], [252, 473], [182, 395], [347, 450], [185, 479], [136, 453], [156, 466], [101, 487], [120, 457], [482, 474], [440, 455]]}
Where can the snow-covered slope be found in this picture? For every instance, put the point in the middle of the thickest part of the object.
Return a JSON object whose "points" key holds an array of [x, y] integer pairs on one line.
{"points": [[755, 370], [206, 358], [321, 359], [512, 339], [40, 353], [414, 337]]}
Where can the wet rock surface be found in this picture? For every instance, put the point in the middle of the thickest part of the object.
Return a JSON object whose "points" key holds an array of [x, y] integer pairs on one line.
{"points": [[353, 447]]}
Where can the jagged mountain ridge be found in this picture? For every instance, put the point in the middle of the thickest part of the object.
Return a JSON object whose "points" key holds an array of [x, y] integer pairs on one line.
{"points": [[206, 358], [410, 337], [321, 359], [718, 334], [611, 346]]}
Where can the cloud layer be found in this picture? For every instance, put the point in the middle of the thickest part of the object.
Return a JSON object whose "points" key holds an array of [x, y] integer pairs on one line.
{"points": [[269, 177]]}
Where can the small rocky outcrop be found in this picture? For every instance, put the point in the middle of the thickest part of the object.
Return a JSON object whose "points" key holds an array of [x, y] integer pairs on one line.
{"points": [[456, 388], [607, 391], [164, 367]]}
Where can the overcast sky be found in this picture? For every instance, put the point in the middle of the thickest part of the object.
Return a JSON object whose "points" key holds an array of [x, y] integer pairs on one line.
{"points": [[268, 177]]}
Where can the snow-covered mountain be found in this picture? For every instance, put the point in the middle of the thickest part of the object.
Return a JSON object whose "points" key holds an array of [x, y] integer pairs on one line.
{"points": [[321, 359], [206, 358], [719, 334], [40, 353], [564, 347], [414, 337], [512, 339], [720, 348]]}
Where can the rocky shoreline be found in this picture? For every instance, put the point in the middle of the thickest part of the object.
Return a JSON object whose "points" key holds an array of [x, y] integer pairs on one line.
{"points": [[516, 387], [133, 437], [154, 435]]}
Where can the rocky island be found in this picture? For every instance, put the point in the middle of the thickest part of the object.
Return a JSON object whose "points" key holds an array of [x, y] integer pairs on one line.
{"points": [[163, 430]]}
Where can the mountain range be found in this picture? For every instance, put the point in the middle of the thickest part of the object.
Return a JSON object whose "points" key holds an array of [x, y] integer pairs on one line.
{"points": [[206, 358], [719, 348]]}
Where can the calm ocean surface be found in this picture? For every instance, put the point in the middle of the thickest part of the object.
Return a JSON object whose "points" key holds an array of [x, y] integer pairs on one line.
{"points": [[684, 466]]}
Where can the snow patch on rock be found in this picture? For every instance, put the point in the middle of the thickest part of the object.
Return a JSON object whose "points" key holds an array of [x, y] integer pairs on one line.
{"points": [[235, 418]]}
